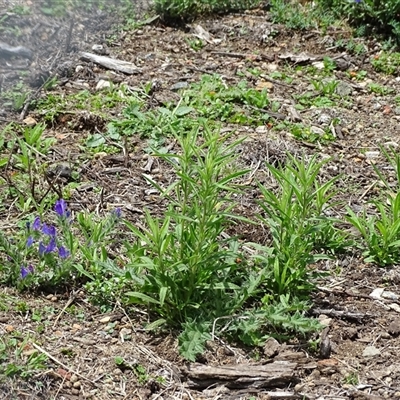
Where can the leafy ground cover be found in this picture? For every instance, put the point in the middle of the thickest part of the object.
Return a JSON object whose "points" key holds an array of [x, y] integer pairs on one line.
{"points": [[239, 193]]}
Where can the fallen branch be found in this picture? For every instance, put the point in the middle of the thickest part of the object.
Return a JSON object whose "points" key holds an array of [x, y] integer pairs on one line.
{"points": [[341, 314], [111, 63], [276, 374], [60, 363]]}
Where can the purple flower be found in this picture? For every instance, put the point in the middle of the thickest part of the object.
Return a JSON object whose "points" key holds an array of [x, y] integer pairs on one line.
{"points": [[49, 230], [47, 249], [358, 1], [26, 271], [36, 224], [42, 248], [61, 208], [117, 213], [63, 252], [29, 241], [51, 246]]}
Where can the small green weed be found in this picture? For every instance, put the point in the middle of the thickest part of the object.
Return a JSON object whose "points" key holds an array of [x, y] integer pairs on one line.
{"points": [[379, 89], [16, 97], [351, 379], [296, 218], [388, 63], [381, 231], [14, 362]]}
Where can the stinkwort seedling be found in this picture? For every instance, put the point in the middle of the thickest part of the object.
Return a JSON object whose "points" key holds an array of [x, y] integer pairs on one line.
{"points": [[45, 254]]}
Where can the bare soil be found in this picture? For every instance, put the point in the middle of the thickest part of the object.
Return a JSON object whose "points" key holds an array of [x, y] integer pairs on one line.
{"points": [[82, 347]]}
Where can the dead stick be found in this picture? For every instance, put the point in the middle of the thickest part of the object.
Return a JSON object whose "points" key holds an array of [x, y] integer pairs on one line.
{"points": [[69, 302], [69, 37], [37, 347]]}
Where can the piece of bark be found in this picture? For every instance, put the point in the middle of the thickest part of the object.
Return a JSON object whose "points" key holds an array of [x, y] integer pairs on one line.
{"points": [[7, 51], [111, 63], [276, 374]]}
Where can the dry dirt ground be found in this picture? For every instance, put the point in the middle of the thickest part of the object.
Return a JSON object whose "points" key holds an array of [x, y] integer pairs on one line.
{"points": [[82, 344]]}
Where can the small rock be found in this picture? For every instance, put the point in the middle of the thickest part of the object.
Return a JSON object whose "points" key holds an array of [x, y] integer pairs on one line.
{"points": [[105, 320], [74, 378], [75, 392], [261, 129], [179, 86], [394, 327], [371, 351], [343, 89], [372, 154], [391, 144], [325, 348], [99, 49], [317, 130], [299, 387], [350, 333], [324, 320], [54, 298], [103, 84], [390, 295], [377, 293], [271, 348], [324, 119], [30, 121], [76, 385]]}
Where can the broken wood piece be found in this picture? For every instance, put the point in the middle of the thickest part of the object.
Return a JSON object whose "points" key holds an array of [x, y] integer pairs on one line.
{"points": [[341, 314], [276, 374], [111, 63], [7, 51]]}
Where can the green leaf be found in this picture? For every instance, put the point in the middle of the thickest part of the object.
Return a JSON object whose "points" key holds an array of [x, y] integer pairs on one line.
{"points": [[156, 324], [135, 296], [183, 110], [192, 341], [163, 293], [95, 140]]}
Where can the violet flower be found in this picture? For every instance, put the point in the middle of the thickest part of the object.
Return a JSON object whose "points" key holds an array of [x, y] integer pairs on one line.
{"points": [[36, 224], [61, 208], [26, 271], [63, 252], [30, 241], [49, 230]]}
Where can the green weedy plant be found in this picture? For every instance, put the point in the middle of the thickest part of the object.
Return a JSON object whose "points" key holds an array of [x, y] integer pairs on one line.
{"points": [[381, 232], [180, 10], [299, 227], [369, 15], [183, 270]]}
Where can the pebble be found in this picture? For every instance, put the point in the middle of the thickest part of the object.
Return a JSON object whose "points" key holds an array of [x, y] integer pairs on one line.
{"points": [[372, 154], [271, 348], [76, 385], [394, 327], [103, 84], [324, 119], [343, 89], [371, 351], [317, 130]]}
